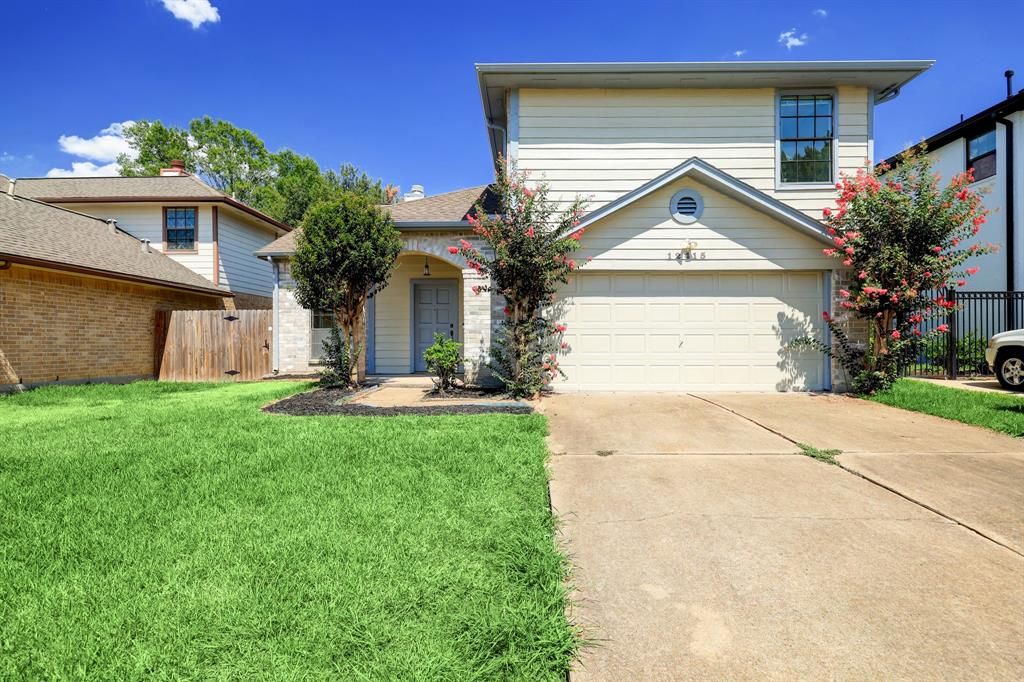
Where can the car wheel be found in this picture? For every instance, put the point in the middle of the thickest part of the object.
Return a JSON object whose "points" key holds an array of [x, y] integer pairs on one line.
{"points": [[1010, 369]]}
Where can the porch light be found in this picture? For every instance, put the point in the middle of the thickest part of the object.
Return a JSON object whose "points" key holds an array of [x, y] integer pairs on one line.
{"points": [[426, 267]]}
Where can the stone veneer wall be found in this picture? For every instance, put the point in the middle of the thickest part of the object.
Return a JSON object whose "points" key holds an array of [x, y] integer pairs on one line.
{"points": [[856, 329], [57, 326]]}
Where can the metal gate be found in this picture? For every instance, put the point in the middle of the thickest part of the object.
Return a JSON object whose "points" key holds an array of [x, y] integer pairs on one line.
{"points": [[212, 345], [978, 315]]}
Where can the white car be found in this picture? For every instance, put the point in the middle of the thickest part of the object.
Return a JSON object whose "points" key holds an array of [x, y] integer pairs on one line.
{"points": [[1005, 357]]}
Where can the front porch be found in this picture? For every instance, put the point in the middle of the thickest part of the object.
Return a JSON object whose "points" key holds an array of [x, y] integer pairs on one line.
{"points": [[430, 291]]}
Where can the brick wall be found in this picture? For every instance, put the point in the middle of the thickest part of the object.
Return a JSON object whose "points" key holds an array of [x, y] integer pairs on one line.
{"points": [[57, 326], [856, 329], [242, 301]]}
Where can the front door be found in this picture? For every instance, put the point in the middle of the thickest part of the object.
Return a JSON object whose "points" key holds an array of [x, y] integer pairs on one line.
{"points": [[435, 310]]}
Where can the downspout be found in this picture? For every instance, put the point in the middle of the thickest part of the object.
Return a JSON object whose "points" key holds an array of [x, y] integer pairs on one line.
{"points": [[504, 137], [1011, 276], [276, 338]]}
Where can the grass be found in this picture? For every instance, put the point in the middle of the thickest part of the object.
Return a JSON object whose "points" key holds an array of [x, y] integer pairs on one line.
{"points": [[175, 531], [996, 411], [827, 456]]}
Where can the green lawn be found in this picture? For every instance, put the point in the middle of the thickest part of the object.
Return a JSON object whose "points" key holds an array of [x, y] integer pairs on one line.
{"points": [[175, 531], [999, 411]]}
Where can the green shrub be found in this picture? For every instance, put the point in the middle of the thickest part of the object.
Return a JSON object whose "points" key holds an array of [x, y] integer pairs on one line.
{"points": [[970, 352], [338, 360], [443, 358]]}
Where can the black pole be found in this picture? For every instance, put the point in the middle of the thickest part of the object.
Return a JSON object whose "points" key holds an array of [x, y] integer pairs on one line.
{"points": [[1011, 275], [951, 341]]}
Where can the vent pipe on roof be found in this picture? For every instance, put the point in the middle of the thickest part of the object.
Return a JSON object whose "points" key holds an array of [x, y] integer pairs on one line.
{"points": [[145, 245], [1008, 74], [10, 186], [113, 226], [416, 192]]}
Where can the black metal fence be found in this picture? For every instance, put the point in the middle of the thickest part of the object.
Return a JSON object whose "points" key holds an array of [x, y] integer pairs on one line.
{"points": [[977, 316]]}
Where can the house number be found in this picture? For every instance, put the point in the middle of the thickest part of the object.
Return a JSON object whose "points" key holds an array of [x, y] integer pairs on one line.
{"points": [[688, 253]]}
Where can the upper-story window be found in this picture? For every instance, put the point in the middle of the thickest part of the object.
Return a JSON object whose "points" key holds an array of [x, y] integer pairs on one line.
{"points": [[981, 154], [180, 228], [806, 136]]}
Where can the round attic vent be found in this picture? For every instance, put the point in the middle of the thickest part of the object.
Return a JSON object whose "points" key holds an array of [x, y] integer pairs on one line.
{"points": [[687, 206]]}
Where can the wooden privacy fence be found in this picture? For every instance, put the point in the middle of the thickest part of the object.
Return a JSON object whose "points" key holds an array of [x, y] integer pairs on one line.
{"points": [[212, 345]]}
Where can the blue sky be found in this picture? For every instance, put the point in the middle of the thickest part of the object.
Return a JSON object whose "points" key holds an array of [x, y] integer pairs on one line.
{"points": [[391, 88]]}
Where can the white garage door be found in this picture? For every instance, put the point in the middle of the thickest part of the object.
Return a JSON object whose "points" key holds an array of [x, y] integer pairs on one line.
{"points": [[694, 332]]}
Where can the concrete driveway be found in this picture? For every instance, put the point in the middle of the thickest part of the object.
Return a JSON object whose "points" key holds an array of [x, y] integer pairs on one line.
{"points": [[706, 547]]}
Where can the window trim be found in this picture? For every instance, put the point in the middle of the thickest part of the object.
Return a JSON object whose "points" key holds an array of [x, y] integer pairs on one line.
{"points": [[969, 162], [781, 186], [195, 248], [311, 358]]}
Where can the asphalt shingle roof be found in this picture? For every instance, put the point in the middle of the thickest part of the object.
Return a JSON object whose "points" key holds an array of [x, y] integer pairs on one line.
{"points": [[37, 232], [450, 207], [115, 189], [164, 187]]}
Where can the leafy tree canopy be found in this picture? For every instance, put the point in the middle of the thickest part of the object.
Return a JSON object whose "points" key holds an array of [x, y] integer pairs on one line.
{"points": [[282, 184]]}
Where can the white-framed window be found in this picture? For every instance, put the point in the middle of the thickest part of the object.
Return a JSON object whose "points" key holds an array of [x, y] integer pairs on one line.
{"points": [[321, 328], [806, 138], [981, 154]]}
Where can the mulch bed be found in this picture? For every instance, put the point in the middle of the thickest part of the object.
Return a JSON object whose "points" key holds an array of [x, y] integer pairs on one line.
{"points": [[323, 402], [463, 392]]}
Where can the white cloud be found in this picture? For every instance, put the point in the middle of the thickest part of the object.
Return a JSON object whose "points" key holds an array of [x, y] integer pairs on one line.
{"points": [[103, 147], [820, 13], [739, 53], [789, 39], [195, 12], [99, 151], [81, 169]]}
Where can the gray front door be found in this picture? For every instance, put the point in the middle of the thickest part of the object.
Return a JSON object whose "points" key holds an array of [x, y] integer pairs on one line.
{"points": [[435, 309]]}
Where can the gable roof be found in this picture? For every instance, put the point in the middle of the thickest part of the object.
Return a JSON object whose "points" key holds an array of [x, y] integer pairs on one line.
{"points": [[723, 182], [441, 211], [36, 233], [450, 207], [133, 189]]}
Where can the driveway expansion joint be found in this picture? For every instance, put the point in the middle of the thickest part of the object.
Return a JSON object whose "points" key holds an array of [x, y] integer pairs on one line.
{"points": [[868, 478]]}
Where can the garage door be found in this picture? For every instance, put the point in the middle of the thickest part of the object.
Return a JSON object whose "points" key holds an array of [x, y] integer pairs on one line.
{"points": [[694, 332]]}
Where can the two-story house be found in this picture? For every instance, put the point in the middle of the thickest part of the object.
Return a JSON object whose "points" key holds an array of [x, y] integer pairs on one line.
{"points": [[704, 181], [178, 214], [990, 142]]}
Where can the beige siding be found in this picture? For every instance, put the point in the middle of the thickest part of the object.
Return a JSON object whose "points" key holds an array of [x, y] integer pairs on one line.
{"points": [[239, 269], [604, 143], [728, 236], [146, 221], [392, 314]]}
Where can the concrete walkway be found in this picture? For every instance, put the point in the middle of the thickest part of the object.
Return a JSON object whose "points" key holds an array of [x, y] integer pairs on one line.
{"points": [[751, 562]]}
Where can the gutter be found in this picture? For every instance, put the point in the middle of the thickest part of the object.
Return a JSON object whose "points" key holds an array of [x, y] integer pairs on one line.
{"points": [[277, 315], [1011, 276], [108, 274]]}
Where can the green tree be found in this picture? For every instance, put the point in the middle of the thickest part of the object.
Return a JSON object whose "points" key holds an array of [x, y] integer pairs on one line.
{"points": [[528, 257], [901, 236], [155, 146], [236, 161], [344, 256], [232, 159]]}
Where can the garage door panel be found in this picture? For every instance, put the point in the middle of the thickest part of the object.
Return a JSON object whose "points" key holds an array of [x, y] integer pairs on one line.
{"points": [[706, 331]]}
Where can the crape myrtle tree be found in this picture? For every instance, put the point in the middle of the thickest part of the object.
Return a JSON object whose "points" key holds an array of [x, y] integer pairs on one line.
{"points": [[344, 256], [527, 254], [902, 238]]}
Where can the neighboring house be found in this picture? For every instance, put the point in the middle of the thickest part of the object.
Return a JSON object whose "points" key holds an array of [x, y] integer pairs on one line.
{"points": [[990, 142], [78, 296], [198, 226], [705, 183]]}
